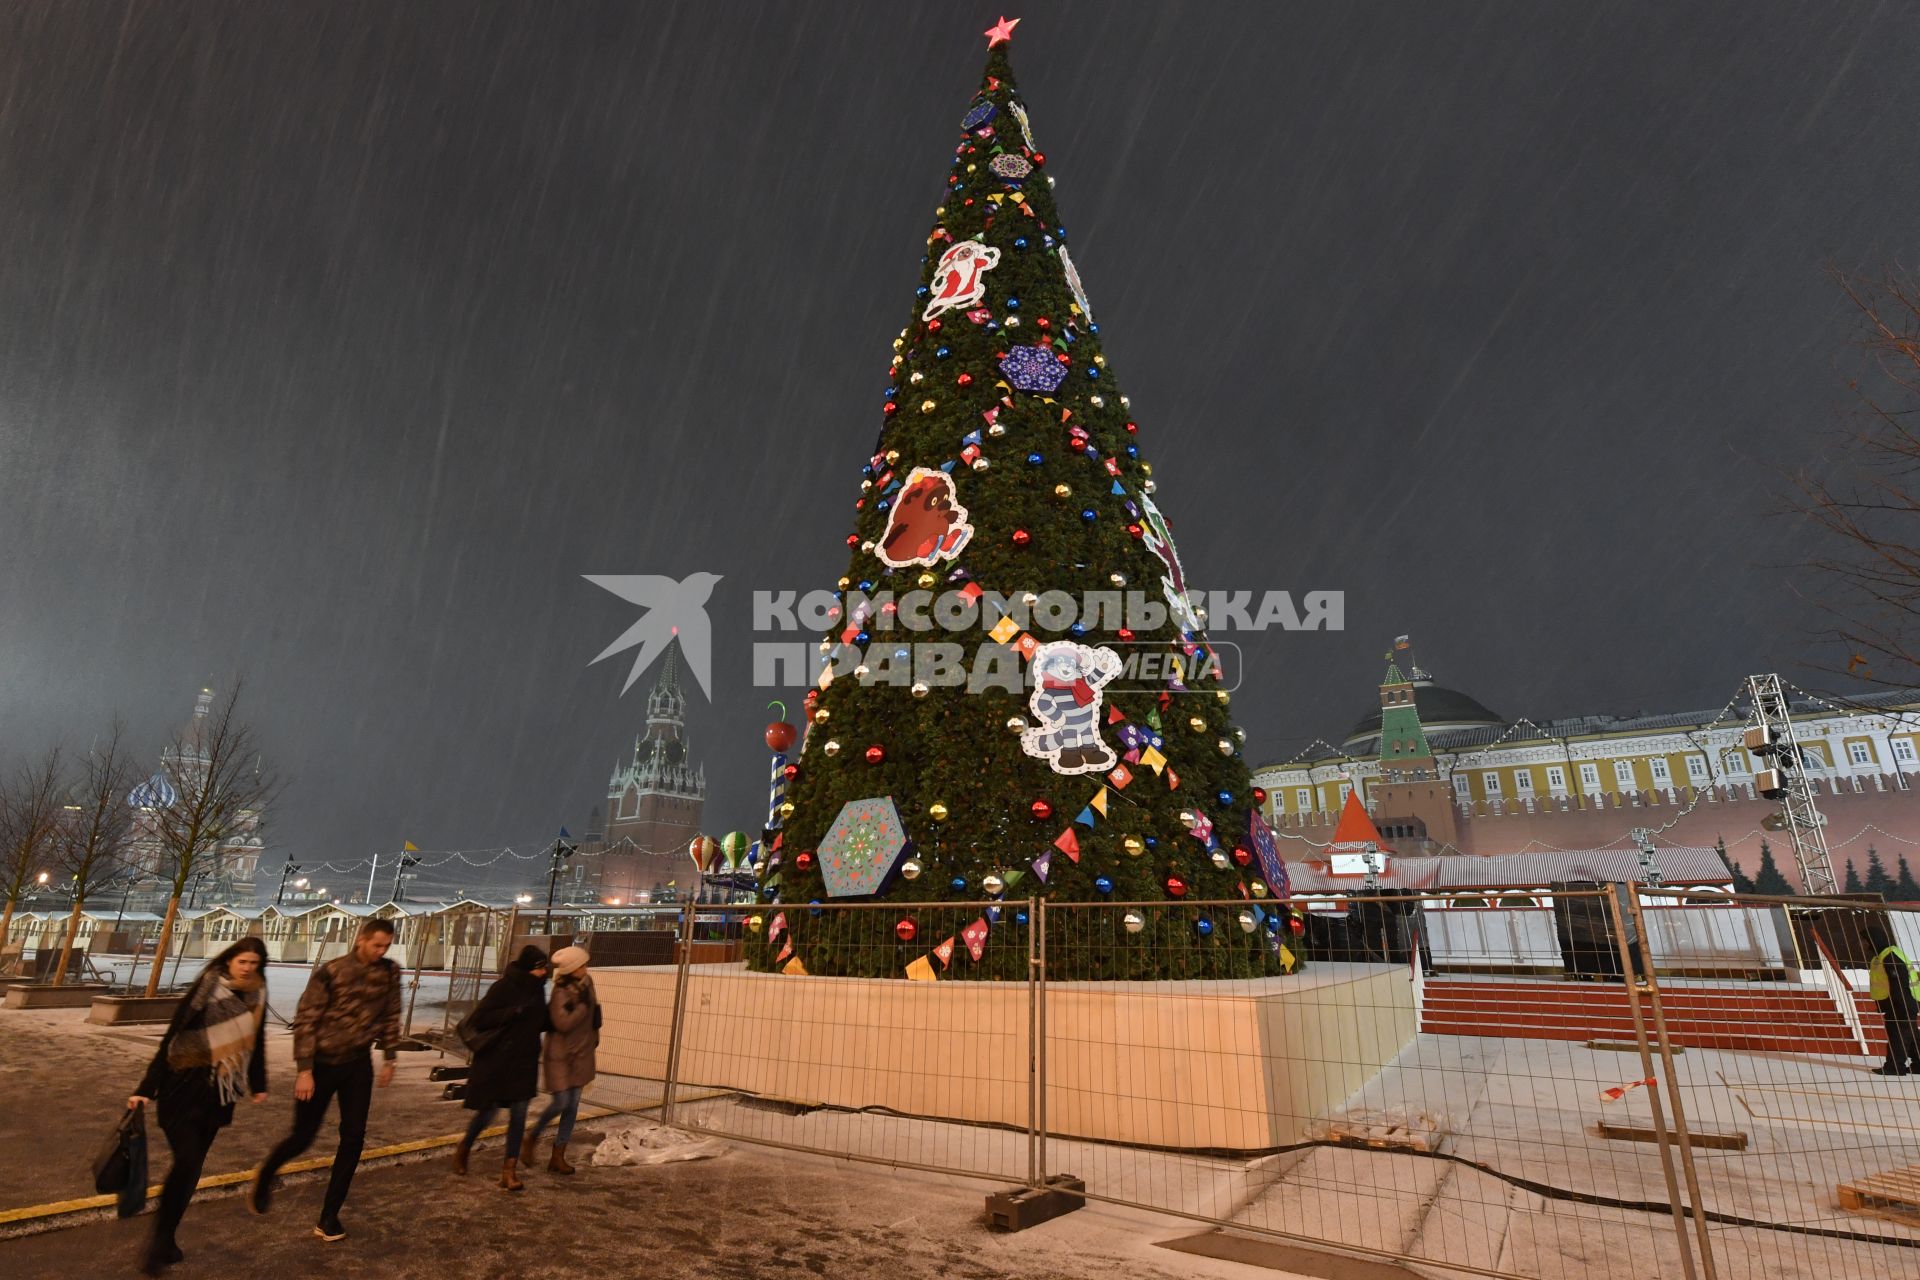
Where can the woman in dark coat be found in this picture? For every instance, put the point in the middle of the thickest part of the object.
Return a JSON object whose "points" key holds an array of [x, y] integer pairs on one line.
{"points": [[211, 1054], [506, 1070]]}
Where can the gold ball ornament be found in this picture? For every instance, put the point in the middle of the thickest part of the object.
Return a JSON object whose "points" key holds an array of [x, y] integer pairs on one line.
{"points": [[1017, 724], [916, 377], [786, 809], [928, 406], [1197, 724], [893, 455], [926, 580], [821, 715], [1259, 888], [756, 923], [831, 747], [1134, 846], [1063, 491], [845, 583], [937, 811], [1222, 696]]}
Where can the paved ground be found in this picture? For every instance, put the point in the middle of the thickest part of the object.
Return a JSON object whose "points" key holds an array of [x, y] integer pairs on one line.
{"points": [[64, 1081], [750, 1213]]}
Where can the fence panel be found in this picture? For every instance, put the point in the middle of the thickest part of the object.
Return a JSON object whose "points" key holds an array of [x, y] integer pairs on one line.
{"points": [[1357, 1100], [819, 1040], [1783, 1111]]}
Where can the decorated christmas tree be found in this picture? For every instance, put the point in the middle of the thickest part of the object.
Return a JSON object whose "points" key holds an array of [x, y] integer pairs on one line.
{"points": [[1016, 696]]}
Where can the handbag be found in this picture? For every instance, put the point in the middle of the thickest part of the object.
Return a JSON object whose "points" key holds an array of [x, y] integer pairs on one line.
{"points": [[120, 1168], [475, 1038]]}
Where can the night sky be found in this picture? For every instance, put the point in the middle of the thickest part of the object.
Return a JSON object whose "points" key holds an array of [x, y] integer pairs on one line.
{"points": [[338, 341]]}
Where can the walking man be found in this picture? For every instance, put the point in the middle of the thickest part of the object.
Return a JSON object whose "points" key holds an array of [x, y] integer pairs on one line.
{"points": [[1895, 987], [350, 1004]]}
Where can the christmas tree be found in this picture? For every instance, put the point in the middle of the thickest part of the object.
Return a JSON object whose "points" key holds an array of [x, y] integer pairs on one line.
{"points": [[1853, 879], [1016, 696], [1905, 889]]}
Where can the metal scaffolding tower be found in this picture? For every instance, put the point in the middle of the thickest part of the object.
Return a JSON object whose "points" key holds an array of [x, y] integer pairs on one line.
{"points": [[1772, 740]]}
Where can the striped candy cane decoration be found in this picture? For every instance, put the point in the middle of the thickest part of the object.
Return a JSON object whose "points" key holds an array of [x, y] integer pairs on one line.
{"points": [[776, 790]]}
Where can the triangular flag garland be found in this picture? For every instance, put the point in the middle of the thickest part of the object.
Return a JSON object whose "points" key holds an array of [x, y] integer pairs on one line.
{"points": [[921, 970], [975, 936], [1042, 865], [1068, 844], [1099, 801], [944, 952]]}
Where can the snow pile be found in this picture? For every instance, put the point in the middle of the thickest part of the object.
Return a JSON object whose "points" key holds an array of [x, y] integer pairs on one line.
{"points": [[644, 1142]]}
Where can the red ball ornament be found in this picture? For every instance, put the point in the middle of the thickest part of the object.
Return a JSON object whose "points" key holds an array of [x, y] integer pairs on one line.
{"points": [[1041, 810], [1124, 633], [964, 380], [1241, 856], [1021, 537], [853, 539], [804, 860], [1044, 323], [889, 409], [876, 753], [933, 326], [791, 772], [906, 930], [1039, 159], [780, 735], [1176, 887], [1132, 427], [1297, 925], [1259, 795], [1133, 529]]}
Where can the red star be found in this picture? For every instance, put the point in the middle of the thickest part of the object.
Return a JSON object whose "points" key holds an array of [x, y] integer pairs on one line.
{"points": [[1001, 32]]}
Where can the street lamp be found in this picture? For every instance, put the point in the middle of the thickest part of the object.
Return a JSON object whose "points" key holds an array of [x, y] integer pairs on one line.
{"points": [[523, 898], [286, 871]]}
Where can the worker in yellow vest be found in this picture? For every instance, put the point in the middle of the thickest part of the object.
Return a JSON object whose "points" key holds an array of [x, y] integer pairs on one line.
{"points": [[1895, 987]]}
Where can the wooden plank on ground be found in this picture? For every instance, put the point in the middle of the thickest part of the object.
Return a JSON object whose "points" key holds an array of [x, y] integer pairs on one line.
{"points": [[1894, 1193], [1699, 1138]]}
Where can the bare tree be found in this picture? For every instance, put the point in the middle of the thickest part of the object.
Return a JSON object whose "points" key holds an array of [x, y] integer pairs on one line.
{"points": [[93, 831], [222, 791], [1871, 510], [30, 806]]}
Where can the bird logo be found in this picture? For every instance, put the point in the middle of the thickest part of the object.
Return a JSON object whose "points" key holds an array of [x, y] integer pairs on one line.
{"points": [[673, 608]]}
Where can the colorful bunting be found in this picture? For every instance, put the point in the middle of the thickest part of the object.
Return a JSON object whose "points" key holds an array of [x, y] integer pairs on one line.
{"points": [[921, 970], [944, 952], [975, 936], [1069, 844]]}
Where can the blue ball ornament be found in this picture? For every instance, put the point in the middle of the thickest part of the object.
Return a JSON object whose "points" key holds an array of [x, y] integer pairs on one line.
{"points": [[1089, 515], [1205, 927], [1133, 451], [1093, 372], [1224, 797], [1103, 884], [1020, 243], [958, 884], [1077, 630], [883, 504], [1013, 304], [866, 584], [862, 638], [1152, 843], [1019, 917], [1092, 327], [921, 292], [891, 393], [941, 353], [1034, 459], [813, 907]]}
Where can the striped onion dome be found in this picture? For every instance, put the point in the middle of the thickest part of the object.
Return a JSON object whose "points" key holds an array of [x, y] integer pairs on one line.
{"points": [[155, 793]]}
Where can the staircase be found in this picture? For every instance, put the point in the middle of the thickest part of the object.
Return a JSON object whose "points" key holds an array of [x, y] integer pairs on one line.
{"points": [[1751, 1017]]}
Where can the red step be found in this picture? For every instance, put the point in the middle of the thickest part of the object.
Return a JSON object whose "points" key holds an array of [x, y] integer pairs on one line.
{"points": [[1770, 1020]]}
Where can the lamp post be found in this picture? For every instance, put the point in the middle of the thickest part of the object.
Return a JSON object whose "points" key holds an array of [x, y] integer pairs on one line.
{"points": [[286, 871], [406, 860], [563, 848]]}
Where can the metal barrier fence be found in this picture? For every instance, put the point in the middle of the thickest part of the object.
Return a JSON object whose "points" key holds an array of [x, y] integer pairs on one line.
{"points": [[1553, 1105]]}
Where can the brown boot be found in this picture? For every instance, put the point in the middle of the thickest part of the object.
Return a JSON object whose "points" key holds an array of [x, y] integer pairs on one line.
{"points": [[557, 1162], [510, 1181], [460, 1154]]}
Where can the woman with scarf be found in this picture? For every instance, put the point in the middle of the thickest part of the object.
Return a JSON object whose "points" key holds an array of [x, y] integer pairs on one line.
{"points": [[211, 1054], [506, 1067]]}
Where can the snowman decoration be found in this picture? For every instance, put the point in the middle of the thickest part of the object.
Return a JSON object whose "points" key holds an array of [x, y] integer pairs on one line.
{"points": [[1068, 679]]}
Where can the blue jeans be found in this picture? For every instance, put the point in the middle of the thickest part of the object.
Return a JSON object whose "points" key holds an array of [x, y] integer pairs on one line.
{"points": [[565, 1104], [516, 1125]]}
